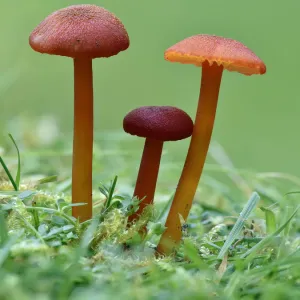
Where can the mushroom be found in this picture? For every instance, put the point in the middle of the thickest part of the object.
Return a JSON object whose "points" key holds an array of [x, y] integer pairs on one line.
{"points": [[82, 32], [214, 54], [157, 124]]}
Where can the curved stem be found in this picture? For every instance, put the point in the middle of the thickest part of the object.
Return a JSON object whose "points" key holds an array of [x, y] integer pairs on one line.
{"points": [[147, 177], [83, 139], [190, 176]]}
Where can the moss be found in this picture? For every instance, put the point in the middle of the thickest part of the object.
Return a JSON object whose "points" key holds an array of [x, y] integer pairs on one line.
{"points": [[14, 222], [115, 228]]}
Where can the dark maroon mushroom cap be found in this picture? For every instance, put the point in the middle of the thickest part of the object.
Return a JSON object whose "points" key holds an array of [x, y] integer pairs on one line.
{"points": [[164, 123], [80, 31]]}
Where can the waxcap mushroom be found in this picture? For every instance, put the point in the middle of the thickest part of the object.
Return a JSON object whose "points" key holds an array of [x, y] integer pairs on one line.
{"points": [[213, 54], [80, 31], [229, 53], [163, 123], [157, 124]]}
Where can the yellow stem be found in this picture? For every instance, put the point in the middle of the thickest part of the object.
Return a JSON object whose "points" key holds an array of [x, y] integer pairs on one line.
{"points": [[191, 173], [83, 139]]}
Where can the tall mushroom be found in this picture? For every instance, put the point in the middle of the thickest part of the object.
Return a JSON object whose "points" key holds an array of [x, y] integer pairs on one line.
{"points": [[214, 54], [157, 124], [82, 32]]}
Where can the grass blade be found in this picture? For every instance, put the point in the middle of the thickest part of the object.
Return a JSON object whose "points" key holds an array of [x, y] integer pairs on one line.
{"points": [[30, 227], [269, 238], [87, 237], [291, 193], [111, 192], [53, 212], [220, 156], [286, 231], [163, 214], [8, 174], [251, 204], [9, 193], [270, 219], [48, 179], [18, 176], [4, 251], [3, 229]]}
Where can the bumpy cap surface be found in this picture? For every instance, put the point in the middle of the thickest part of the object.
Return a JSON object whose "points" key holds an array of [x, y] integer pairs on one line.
{"points": [[80, 31], [164, 123], [231, 54]]}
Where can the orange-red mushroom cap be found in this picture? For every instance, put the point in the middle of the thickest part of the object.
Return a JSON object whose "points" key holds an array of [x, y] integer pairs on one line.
{"points": [[80, 31], [163, 123], [231, 54]]}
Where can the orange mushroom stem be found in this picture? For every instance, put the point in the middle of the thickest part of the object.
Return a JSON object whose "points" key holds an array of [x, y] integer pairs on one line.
{"points": [[83, 139], [203, 127], [147, 176]]}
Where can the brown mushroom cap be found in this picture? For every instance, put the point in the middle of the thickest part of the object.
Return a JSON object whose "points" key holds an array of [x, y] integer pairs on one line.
{"points": [[231, 54], [80, 31], [164, 123]]}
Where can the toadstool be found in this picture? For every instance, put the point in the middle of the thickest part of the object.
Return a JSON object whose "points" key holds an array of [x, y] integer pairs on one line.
{"points": [[157, 124], [82, 32], [213, 54]]}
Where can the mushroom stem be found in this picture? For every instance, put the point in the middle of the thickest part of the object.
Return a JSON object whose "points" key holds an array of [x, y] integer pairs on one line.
{"points": [[190, 176], [147, 176], [83, 139]]}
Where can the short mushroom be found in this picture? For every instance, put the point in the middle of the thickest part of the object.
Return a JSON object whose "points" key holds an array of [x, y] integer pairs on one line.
{"points": [[157, 124], [214, 54], [82, 32]]}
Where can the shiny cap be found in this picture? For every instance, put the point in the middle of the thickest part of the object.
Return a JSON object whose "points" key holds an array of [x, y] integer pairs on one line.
{"points": [[164, 123]]}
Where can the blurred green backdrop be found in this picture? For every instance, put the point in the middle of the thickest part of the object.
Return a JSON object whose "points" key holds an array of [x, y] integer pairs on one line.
{"points": [[258, 117]]}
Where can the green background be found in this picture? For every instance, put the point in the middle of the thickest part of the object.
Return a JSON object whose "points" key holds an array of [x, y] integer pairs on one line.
{"points": [[258, 117]]}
